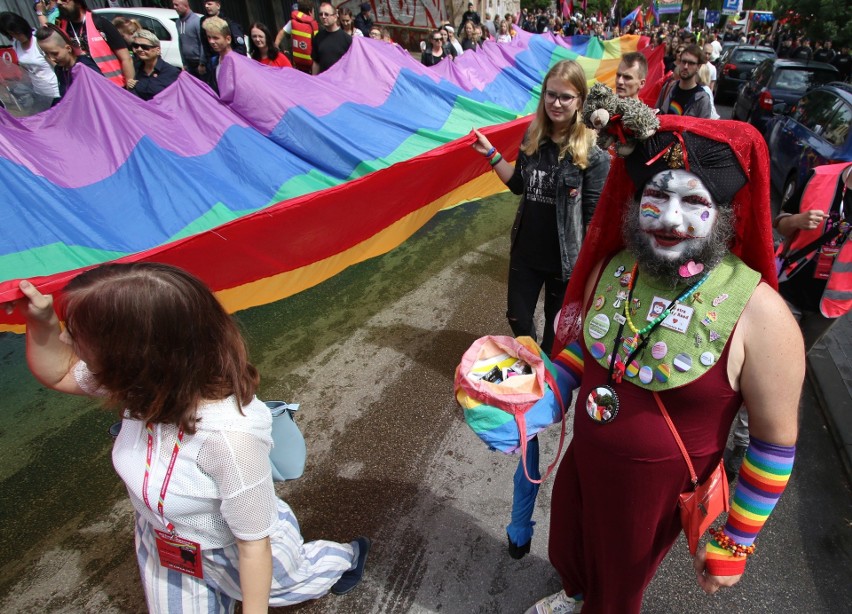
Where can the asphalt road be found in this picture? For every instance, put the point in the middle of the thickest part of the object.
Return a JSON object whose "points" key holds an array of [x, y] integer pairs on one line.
{"points": [[370, 355]]}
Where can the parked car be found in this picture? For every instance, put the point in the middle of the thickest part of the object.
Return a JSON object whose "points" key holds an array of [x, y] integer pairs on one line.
{"points": [[778, 81], [736, 65], [162, 22], [815, 131]]}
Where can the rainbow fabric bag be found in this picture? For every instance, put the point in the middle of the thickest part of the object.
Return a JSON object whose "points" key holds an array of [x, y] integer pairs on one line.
{"points": [[521, 403]]}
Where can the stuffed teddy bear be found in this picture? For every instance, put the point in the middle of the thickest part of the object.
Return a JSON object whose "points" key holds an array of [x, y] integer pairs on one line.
{"points": [[622, 121]]}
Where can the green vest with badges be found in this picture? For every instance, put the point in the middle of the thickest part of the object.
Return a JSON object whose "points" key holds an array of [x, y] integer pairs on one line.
{"points": [[688, 342]]}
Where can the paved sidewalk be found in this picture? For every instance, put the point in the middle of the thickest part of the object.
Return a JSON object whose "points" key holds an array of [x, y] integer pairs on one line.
{"points": [[830, 371]]}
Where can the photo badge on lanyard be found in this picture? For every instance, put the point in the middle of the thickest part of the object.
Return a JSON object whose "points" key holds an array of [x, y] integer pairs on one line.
{"points": [[825, 261], [175, 552], [179, 554]]}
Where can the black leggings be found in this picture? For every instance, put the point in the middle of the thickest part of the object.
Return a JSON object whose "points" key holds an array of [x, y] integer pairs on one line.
{"points": [[525, 283]]}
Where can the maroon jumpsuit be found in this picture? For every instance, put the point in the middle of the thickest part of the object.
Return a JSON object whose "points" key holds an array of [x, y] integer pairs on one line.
{"points": [[614, 513]]}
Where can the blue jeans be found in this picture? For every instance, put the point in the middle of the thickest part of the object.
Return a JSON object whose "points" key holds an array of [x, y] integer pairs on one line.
{"points": [[520, 530]]}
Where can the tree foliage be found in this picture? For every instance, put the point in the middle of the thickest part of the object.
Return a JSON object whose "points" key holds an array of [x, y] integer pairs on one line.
{"points": [[820, 19], [534, 5]]}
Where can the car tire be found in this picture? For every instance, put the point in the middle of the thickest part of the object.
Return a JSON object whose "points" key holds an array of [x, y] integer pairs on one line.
{"points": [[790, 187]]}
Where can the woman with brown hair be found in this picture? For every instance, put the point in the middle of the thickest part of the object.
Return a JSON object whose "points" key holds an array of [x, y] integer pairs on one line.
{"points": [[436, 52], [262, 51], [193, 449], [560, 173], [347, 22]]}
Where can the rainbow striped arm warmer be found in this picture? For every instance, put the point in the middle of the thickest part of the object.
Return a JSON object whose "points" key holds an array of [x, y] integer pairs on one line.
{"points": [[569, 362], [763, 477]]}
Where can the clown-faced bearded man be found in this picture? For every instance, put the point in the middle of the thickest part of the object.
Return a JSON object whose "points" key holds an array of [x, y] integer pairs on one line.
{"points": [[676, 221], [676, 304]]}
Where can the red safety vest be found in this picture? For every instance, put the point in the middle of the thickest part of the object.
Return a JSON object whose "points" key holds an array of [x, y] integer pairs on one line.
{"points": [[302, 30], [99, 50], [819, 194]]}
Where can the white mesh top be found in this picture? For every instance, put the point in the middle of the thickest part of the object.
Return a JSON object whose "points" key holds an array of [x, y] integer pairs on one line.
{"points": [[221, 486]]}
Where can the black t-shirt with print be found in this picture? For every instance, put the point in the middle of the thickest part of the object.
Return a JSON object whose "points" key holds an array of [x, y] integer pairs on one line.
{"points": [[682, 98], [537, 240]]}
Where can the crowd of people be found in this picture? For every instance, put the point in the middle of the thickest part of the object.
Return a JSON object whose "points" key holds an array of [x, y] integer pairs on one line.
{"points": [[619, 245], [313, 46], [130, 56]]}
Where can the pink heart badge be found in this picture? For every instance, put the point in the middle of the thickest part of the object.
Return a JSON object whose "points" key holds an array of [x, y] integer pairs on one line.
{"points": [[690, 269]]}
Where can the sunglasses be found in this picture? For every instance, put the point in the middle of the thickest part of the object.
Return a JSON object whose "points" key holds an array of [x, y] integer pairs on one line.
{"points": [[437, 38], [141, 46]]}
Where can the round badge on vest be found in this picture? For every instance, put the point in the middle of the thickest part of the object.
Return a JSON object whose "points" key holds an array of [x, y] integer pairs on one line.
{"points": [[599, 326], [602, 404]]}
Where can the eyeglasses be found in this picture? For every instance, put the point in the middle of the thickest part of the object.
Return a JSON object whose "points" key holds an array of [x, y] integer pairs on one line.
{"points": [[141, 46], [551, 97], [688, 62]]}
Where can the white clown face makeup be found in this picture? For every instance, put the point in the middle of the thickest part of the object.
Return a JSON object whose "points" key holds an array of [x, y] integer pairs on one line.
{"points": [[676, 213]]}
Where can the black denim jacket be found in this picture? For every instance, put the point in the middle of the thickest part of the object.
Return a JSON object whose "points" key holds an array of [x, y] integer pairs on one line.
{"points": [[577, 194]]}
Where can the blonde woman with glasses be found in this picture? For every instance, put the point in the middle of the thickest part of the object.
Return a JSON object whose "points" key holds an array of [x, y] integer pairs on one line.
{"points": [[559, 173]]}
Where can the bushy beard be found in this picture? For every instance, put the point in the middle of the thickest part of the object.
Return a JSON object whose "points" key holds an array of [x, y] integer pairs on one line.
{"points": [[709, 251]]}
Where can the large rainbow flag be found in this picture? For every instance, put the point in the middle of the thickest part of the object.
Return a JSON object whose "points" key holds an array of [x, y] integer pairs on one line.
{"points": [[280, 182]]}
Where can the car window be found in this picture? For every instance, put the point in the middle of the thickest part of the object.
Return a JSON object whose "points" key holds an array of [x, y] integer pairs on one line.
{"points": [[815, 109], [801, 80], [149, 23], [837, 128], [762, 73], [751, 56]]}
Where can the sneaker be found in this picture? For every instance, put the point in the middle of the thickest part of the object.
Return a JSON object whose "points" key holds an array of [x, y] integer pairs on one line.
{"points": [[351, 578], [518, 552], [733, 461], [560, 603]]}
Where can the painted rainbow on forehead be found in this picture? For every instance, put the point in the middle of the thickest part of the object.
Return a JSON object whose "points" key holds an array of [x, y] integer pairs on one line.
{"points": [[649, 210]]}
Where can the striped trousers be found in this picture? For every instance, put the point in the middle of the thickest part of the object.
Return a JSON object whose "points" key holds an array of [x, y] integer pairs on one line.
{"points": [[300, 571]]}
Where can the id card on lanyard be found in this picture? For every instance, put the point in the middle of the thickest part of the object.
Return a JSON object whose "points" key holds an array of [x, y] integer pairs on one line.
{"points": [[175, 552], [825, 260]]}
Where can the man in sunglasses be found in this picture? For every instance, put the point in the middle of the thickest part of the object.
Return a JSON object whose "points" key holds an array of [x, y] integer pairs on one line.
{"points": [[685, 96], [331, 42]]}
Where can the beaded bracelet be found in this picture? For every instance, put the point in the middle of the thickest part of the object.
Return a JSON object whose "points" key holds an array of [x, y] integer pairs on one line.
{"points": [[493, 161], [726, 543], [490, 152]]}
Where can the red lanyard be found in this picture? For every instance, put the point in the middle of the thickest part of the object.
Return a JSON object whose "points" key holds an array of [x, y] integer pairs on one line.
{"points": [[150, 428]]}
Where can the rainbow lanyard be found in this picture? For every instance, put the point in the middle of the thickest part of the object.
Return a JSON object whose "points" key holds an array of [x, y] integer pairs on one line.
{"points": [[150, 428]]}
